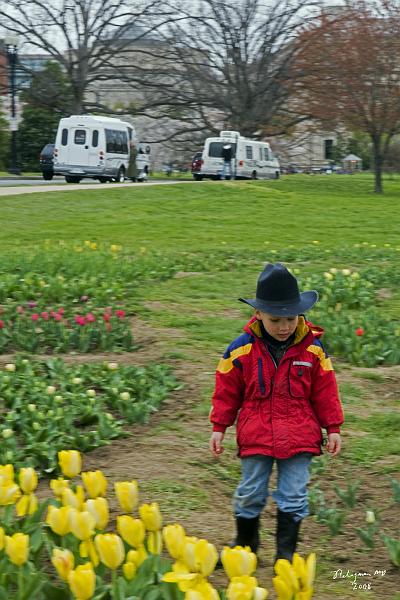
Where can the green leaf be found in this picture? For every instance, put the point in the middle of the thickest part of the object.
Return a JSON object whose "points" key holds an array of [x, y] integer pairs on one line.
{"points": [[55, 593]]}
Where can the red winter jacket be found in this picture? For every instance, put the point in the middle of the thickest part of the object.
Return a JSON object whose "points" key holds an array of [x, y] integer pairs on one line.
{"points": [[281, 409]]}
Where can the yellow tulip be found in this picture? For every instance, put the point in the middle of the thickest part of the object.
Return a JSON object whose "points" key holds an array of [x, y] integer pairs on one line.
{"points": [[98, 508], [129, 570], [17, 548], [238, 561], [283, 590], [2, 538], [82, 524], [75, 500], [127, 494], [6, 474], [154, 542], [131, 530], [95, 483], [299, 566], [28, 480], [87, 549], [111, 549], [58, 519], [304, 595], [151, 516], [63, 561], [285, 570], [58, 486], [310, 570], [140, 553], [206, 557], [9, 493], [26, 505], [260, 593], [70, 462], [82, 581], [202, 590], [174, 538]]}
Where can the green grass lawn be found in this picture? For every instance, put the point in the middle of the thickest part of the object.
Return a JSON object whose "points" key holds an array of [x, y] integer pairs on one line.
{"points": [[237, 215]]}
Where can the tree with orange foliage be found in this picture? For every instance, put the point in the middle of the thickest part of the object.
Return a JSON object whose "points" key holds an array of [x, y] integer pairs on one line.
{"points": [[351, 61]]}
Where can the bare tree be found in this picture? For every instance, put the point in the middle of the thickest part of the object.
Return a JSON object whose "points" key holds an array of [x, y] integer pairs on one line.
{"points": [[355, 74], [230, 64], [84, 36]]}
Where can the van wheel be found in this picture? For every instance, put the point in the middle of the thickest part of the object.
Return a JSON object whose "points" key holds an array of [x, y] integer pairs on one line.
{"points": [[198, 177], [103, 179], [47, 176], [254, 175], [72, 179], [120, 178], [277, 175]]}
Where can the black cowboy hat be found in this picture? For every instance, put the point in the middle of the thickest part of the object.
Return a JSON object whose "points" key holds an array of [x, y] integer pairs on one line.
{"points": [[278, 293]]}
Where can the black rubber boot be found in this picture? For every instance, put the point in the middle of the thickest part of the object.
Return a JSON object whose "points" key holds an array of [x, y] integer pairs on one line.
{"points": [[287, 533], [247, 534]]}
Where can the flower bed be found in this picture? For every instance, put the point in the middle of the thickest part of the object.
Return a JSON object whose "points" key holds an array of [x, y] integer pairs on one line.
{"points": [[48, 405], [69, 535]]}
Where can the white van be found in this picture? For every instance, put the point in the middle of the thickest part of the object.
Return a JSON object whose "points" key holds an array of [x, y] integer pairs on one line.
{"points": [[251, 159], [96, 147]]}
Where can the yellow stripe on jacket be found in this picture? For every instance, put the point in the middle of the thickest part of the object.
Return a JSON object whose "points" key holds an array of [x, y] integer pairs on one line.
{"points": [[226, 364], [325, 362]]}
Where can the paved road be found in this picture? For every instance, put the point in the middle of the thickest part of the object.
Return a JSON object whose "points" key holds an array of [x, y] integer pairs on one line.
{"points": [[13, 187]]}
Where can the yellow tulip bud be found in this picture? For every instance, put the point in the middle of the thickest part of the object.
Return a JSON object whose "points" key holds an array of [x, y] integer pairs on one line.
{"points": [[58, 486], [283, 589], [82, 581], [10, 367], [285, 570], [63, 561], [17, 548], [174, 538], [206, 556], [131, 530], [82, 524], [311, 561], [70, 462], [26, 505], [88, 549], [238, 561], [58, 519], [129, 570], [127, 494], [6, 474], [98, 508], [9, 493], [154, 542], [188, 557], [111, 549], [76, 500], [28, 480], [95, 483], [151, 516]]}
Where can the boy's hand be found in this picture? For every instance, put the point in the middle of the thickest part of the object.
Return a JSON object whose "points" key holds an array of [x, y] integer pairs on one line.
{"points": [[334, 444], [216, 447]]}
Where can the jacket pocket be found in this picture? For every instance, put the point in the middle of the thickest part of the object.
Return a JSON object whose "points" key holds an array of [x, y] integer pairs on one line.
{"points": [[299, 379]]}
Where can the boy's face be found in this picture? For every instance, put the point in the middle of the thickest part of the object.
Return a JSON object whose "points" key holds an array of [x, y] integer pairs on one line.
{"points": [[280, 328]]}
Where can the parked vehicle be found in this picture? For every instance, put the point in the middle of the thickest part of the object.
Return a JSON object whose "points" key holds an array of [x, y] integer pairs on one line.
{"points": [[251, 159], [197, 162], [96, 147], [46, 158]]}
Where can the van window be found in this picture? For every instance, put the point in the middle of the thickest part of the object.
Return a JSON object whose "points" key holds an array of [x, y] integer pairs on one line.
{"points": [[249, 151], [95, 138], [64, 137], [261, 153], [80, 137], [116, 141], [215, 149], [266, 154]]}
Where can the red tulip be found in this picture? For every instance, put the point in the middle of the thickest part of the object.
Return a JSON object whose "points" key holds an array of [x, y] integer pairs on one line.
{"points": [[90, 318], [45, 316], [61, 311], [1, 324], [57, 317], [106, 317], [80, 320], [120, 314], [359, 331], [35, 317]]}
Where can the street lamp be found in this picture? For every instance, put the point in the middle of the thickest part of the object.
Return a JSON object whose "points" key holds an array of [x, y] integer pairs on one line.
{"points": [[11, 44]]}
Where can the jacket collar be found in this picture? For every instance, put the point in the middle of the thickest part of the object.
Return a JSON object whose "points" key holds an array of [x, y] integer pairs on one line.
{"points": [[303, 329]]}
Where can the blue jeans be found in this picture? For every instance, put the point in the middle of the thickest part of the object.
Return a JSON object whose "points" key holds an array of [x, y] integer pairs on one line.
{"points": [[291, 496], [227, 166]]}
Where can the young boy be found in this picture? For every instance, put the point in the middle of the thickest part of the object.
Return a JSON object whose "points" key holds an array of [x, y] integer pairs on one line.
{"points": [[277, 378]]}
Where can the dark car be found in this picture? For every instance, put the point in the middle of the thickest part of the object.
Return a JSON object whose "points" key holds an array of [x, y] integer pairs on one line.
{"points": [[46, 161], [197, 162]]}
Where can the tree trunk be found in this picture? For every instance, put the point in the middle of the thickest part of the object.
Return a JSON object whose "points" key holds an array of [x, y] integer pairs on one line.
{"points": [[378, 164]]}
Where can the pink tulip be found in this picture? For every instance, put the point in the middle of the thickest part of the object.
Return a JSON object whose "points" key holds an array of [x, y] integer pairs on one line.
{"points": [[61, 311], [45, 316], [106, 317], [20, 310], [90, 318], [84, 298], [35, 317], [32, 304], [57, 317], [80, 320]]}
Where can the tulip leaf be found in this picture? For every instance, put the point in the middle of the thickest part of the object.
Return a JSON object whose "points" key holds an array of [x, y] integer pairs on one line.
{"points": [[3, 594], [55, 593], [36, 582]]}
